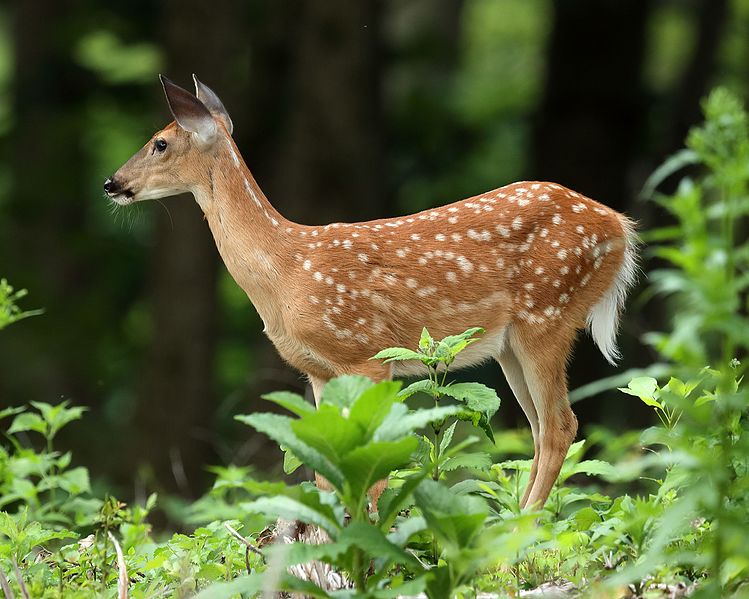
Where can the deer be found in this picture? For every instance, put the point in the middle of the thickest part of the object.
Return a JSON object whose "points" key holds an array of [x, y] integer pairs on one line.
{"points": [[532, 262]]}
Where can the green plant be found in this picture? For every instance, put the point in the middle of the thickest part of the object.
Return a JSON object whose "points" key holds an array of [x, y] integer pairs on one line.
{"points": [[9, 310], [479, 403]]}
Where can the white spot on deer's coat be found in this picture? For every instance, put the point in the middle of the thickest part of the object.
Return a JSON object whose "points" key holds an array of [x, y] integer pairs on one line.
{"points": [[340, 288], [425, 291], [401, 253], [347, 243], [464, 264], [562, 254], [452, 220], [517, 222], [314, 299], [363, 258], [412, 283], [439, 237], [318, 276], [415, 236], [451, 276], [329, 280], [456, 236], [307, 265]]}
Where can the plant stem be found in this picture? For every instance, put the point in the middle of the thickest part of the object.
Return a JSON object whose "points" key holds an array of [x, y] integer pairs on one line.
{"points": [[359, 577]]}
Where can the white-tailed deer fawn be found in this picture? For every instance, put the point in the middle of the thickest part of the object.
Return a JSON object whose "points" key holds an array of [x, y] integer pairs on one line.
{"points": [[530, 262]]}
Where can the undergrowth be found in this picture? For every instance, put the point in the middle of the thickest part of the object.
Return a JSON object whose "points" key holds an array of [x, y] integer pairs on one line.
{"points": [[652, 513]]}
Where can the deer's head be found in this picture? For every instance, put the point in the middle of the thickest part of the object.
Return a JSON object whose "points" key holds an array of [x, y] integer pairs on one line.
{"points": [[179, 157]]}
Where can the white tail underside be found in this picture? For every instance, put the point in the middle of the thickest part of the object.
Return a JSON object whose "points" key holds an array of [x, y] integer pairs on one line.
{"points": [[603, 318]]}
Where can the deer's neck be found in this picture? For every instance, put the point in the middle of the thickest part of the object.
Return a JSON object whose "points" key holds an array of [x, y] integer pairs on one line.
{"points": [[250, 235]]}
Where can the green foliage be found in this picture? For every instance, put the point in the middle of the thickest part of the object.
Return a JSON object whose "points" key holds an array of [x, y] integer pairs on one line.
{"points": [[479, 403], [9, 310], [707, 259]]}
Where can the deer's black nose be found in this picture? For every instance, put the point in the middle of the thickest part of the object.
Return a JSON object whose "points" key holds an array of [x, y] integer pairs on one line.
{"points": [[110, 186]]}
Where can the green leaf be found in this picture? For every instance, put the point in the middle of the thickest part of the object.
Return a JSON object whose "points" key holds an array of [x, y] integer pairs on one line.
{"points": [[607, 384], [479, 420], [28, 421], [455, 519], [447, 438], [600, 468], [372, 407], [475, 396], [365, 465], [423, 386], [290, 461], [586, 517], [59, 415], [399, 422], [425, 341], [452, 341], [406, 529], [393, 501], [674, 163], [293, 402], [11, 412], [575, 449], [305, 508], [279, 429], [374, 543], [646, 388], [398, 354], [329, 433], [474, 461], [343, 391], [75, 481], [253, 584]]}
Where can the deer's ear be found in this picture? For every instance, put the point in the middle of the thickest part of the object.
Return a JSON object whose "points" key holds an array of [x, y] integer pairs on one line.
{"points": [[213, 103], [189, 112]]}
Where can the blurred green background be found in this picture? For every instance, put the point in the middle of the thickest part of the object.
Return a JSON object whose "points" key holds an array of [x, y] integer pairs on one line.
{"points": [[344, 110]]}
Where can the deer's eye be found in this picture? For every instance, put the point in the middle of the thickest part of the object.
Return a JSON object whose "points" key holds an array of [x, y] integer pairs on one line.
{"points": [[160, 145]]}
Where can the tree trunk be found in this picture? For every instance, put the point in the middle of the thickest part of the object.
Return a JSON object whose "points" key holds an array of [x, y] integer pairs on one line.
{"points": [[590, 117], [592, 108], [329, 164]]}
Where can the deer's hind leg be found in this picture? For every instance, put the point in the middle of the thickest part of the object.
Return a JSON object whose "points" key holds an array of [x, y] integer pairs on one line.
{"points": [[543, 359], [513, 372]]}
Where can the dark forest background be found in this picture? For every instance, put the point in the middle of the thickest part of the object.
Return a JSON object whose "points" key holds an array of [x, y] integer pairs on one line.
{"points": [[344, 110]]}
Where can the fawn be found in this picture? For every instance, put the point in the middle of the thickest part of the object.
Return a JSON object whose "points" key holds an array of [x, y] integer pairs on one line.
{"points": [[530, 262]]}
